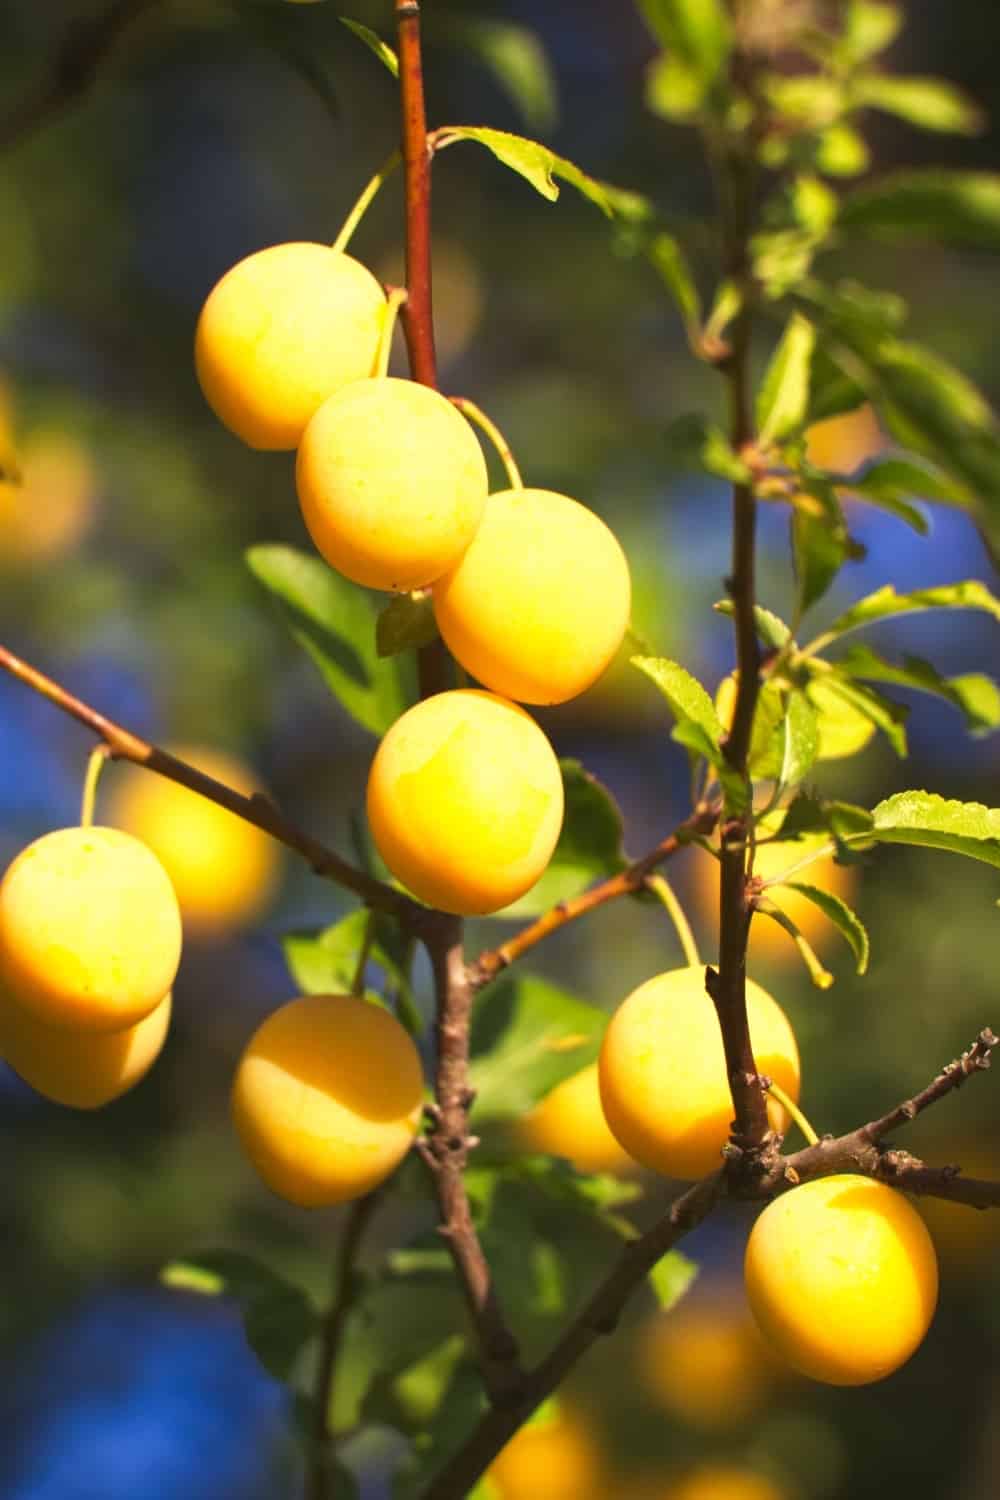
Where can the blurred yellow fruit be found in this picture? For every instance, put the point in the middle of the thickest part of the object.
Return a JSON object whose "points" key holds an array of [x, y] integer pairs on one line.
{"points": [[223, 869], [706, 1362], [570, 1122], [392, 483], [663, 1073], [723, 1482], [966, 1238], [458, 294], [282, 330], [842, 1278], [82, 1069], [843, 443], [90, 931], [553, 1458], [46, 510], [327, 1098], [768, 940], [465, 801], [539, 603]]}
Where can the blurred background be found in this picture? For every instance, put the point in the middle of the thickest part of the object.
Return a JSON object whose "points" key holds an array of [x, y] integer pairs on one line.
{"points": [[122, 575]]}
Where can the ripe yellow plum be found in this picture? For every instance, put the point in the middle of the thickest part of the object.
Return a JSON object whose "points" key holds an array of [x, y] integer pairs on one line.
{"points": [[706, 1361], [842, 1278], [81, 1069], [47, 508], [723, 1482], [223, 869], [539, 603], [282, 330], [90, 930], [570, 1122], [555, 1456], [465, 801], [327, 1098], [663, 1074], [392, 483]]}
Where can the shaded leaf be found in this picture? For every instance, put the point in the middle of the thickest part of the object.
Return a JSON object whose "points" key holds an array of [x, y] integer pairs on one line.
{"points": [[589, 847], [526, 1037], [515, 56], [936, 822], [334, 622], [406, 624], [974, 695], [819, 550], [671, 1277], [324, 963], [697, 32], [278, 1317], [668, 259], [847, 922], [928, 103], [956, 208], [540, 166], [695, 443], [783, 399], [372, 40]]}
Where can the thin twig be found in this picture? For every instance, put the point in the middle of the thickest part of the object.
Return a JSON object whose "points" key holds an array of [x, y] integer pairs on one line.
{"points": [[491, 962], [320, 1473], [257, 809]]}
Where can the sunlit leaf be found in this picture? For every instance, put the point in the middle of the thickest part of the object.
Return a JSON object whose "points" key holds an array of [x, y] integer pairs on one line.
{"points": [[928, 103], [936, 822], [974, 695], [784, 395], [372, 40], [671, 1277], [884, 603], [540, 166], [847, 922]]}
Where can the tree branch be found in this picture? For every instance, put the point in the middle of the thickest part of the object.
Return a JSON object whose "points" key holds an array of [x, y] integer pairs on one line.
{"points": [[491, 962], [74, 66], [124, 745], [320, 1473]]}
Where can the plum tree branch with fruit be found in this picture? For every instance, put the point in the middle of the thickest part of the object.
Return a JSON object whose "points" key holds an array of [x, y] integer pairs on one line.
{"points": [[697, 1074]]}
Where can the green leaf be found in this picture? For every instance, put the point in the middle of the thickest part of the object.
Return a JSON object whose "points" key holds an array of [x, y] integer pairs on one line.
{"points": [[820, 976], [278, 1318], [808, 815], [674, 89], [334, 622], [928, 103], [694, 443], [557, 1179], [540, 166], [406, 624], [371, 39], [955, 208], [847, 922], [696, 31], [935, 822], [687, 698], [832, 392], [820, 549], [885, 603], [669, 261], [272, 31], [671, 1277], [527, 1036], [841, 151], [589, 847], [784, 395], [324, 963], [694, 738], [886, 715], [975, 696], [800, 740], [891, 482], [772, 630], [870, 28], [516, 58]]}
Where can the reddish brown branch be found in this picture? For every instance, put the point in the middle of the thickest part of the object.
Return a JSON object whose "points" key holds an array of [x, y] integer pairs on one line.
{"points": [[490, 963], [446, 1152], [418, 314], [124, 745]]}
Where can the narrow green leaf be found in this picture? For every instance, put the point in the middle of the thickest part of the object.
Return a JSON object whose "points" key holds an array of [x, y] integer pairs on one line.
{"points": [[698, 31], [694, 443], [406, 624], [936, 822], [870, 28], [819, 550], [514, 55], [956, 208], [687, 698], [885, 603], [975, 696], [784, 395], [886, 715], [800, 740], [928, 103], [772, 630], [527, 1036], [540, 166], [669, 261], [372, 40], [334, 622], [820, 976], [278, 1317], [847, 922], [671, 1277], [891, 482], [694, 738], [589, 847]]}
